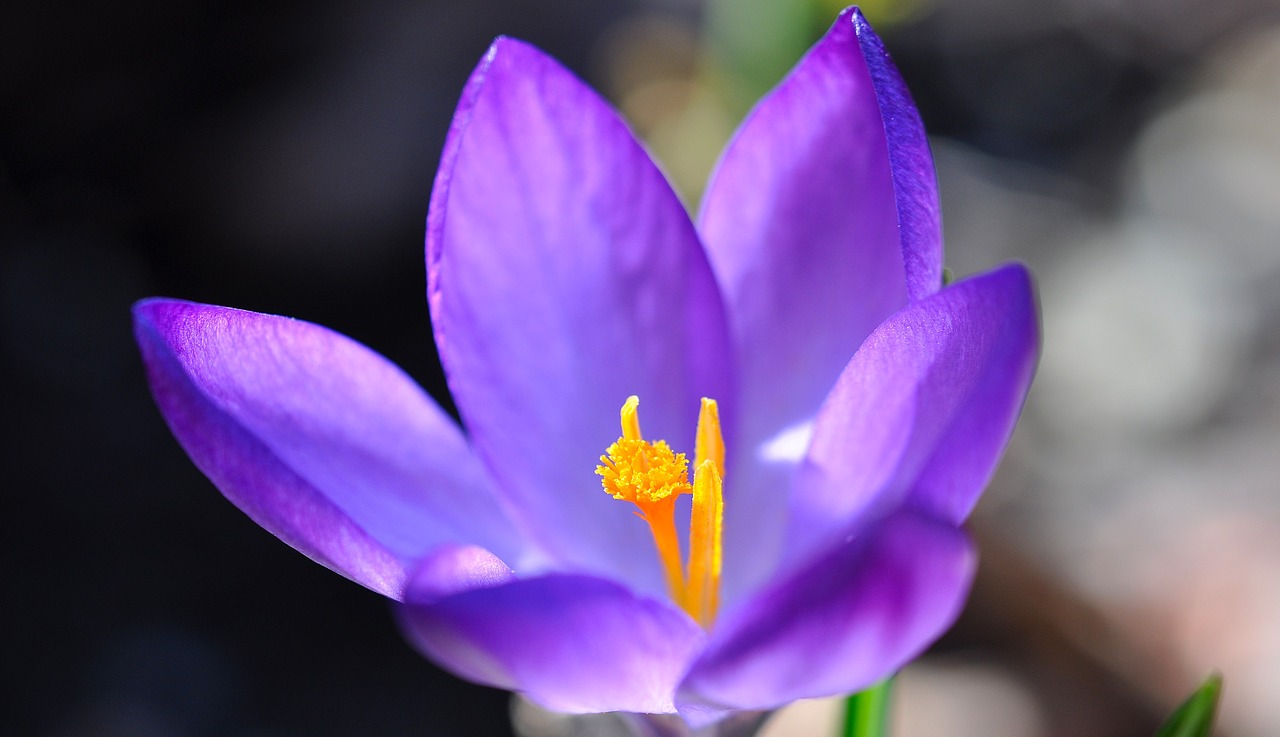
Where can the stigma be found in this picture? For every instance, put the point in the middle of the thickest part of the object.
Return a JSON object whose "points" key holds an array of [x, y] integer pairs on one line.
{"points": [[652, 476]]}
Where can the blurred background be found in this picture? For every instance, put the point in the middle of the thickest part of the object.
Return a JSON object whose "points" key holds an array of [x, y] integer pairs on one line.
{"points": [[278, 157]]}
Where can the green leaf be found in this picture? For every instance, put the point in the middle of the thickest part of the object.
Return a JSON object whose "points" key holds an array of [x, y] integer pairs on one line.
{"points": [[866, 713], [1195, 717]]}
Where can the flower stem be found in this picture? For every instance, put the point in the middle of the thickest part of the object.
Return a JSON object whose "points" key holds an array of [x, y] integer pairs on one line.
{"points": [[866, 713]]}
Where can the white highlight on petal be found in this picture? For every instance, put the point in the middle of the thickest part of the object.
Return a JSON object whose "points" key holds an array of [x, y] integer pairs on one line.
{"points": [[789, 445]]}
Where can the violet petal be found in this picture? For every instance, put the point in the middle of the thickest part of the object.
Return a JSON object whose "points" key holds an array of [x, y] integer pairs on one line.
{"points": [[820, 221], [318, 439], [571, 643], [564, 275], [923, 411], [847, 619], [915, 182]]}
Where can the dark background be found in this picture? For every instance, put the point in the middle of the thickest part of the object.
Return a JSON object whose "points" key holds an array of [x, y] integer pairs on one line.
{"points": [[279, 157]]}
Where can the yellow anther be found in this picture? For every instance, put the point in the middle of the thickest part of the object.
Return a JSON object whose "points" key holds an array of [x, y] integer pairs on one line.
{"points": [[709, 445], [702, 590], [652, 476], [631, 418]]}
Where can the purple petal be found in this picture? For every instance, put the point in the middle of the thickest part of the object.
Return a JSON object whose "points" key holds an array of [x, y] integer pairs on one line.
{"points": [[318, 439], [564, 275], [846, 620], [452, 569], [820, 222], [915, 183], [923, 411], [571, 643]]}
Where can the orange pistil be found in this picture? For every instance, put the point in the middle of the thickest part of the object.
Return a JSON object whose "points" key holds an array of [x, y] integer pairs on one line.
{"points": [[652, 476]]}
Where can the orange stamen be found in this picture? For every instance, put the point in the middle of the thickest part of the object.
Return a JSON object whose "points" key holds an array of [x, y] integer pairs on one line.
{"points": [[702, 593], [652, 476]]}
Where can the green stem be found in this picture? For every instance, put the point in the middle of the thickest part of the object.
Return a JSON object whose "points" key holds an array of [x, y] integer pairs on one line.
{"points": [[866, 713]]}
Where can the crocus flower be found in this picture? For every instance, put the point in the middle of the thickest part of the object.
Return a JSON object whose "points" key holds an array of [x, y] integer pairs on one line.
{"points": [[852, 408]]}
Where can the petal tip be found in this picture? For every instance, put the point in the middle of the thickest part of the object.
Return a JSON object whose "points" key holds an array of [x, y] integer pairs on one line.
{"points": [[501, 46], [505, 47], [861, 26], [1018, 280], [148, 308]]}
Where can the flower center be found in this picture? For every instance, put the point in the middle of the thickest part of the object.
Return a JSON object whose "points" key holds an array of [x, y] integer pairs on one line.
{"points": [[651, 476]]}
